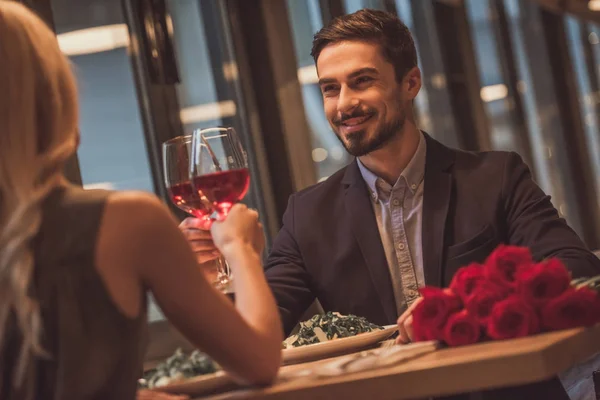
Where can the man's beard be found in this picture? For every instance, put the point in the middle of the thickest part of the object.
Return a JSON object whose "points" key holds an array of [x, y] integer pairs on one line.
{"points": [[358, 145]]}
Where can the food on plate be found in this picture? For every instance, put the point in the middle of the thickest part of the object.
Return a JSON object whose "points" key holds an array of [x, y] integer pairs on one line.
{"points": [[177, 367], [319, 328], [329, 326]]}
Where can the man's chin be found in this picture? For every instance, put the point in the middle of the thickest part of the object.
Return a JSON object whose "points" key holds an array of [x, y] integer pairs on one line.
{"points": [[363, 147], [357, 149]]}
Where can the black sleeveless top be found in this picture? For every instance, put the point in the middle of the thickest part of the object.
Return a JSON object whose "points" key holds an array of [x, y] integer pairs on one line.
{"points": [[96, 352]]}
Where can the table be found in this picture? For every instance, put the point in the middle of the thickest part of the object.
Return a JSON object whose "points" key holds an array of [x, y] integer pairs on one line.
{"points": [[446, 371]]}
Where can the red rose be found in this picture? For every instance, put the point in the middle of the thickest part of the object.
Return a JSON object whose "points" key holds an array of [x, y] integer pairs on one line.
{"points": [[483, 299], [503, 263], [512, 318], [430, 315], [573, 308], [466, 279], [461, 329], [424, 332], [543, 281]]}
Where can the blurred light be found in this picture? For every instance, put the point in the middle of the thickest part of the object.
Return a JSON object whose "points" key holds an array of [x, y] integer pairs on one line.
{"points": [[169, 21], [594, 5], [438, 81], [99, 185], [322, 179], [493, 92], [337, 153], [208, 112], [562, 209], [593, 38], [308, 75], [93, 40], [319, 154], [522, 87], [590, 119], [230, 71]]}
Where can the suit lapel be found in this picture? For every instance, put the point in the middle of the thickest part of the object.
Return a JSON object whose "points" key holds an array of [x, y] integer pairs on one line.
{"points": [[436, 201], [364, 227]]}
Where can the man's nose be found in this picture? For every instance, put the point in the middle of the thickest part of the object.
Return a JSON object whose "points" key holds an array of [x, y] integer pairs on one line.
{"points": [[347, 100]]}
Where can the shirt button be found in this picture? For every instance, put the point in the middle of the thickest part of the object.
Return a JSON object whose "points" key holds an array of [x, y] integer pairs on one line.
{"points": [[401, 246], [413, 186], [396, 202]]}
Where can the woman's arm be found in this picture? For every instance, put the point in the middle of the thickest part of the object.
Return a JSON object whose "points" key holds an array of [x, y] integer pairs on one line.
{"points": [[244, 339]]}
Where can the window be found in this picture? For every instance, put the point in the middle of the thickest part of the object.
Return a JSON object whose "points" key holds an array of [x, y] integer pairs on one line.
{"points": [[198, 93], [112, 153], [583, 40], [500, 103], [328, 153], [352, 6], [432, 104], [536, 86]]}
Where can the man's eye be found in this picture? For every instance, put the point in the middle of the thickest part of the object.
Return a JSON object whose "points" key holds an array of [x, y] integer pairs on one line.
{"points": [[328, 88], [363, 79]]}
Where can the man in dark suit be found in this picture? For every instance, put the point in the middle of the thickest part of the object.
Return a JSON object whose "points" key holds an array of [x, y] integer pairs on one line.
{"points": [[408, 211]]}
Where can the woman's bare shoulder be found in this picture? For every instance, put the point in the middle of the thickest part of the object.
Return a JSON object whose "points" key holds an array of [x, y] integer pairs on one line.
{"points": [[137, 213], [137, 204], [134, 198]]}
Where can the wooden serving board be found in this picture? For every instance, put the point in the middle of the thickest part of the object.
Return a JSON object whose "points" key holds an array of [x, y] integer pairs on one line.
{"points": [[446, 371]]}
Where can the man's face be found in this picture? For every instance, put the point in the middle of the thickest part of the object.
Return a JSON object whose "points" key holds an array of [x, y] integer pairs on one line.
{"points": [[364, 104]]}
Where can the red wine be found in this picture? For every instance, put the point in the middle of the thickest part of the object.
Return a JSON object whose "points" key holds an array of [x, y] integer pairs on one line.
{"points": [[224, 188], [187, 199]]}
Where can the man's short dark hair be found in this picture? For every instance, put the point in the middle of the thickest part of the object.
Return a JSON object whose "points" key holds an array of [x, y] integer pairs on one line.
{"points": [[378, 27]]}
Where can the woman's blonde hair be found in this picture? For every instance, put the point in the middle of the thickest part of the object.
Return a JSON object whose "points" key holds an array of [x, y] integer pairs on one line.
{"points": [[38, 133]]}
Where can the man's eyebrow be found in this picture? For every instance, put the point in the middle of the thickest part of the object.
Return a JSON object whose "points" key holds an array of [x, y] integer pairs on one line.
{"points": [[366, 70], [354, 74], [324, 81]]}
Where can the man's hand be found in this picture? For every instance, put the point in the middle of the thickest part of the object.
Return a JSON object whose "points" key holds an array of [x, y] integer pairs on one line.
{"points": [[197, 232], [143, 394], [405, 329]]}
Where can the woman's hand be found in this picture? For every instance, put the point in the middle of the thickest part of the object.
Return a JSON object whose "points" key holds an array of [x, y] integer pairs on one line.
{"points": [[240, 227]]}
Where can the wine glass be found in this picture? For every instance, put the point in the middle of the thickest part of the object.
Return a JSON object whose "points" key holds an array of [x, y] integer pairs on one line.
{"points": [[219, 169], [176, 165]]}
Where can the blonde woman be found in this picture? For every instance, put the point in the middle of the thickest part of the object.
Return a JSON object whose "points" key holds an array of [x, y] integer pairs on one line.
{"points": [[74, 276]]}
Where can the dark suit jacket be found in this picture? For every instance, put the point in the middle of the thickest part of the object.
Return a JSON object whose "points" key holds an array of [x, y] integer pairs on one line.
{"points": [[329, 246]]}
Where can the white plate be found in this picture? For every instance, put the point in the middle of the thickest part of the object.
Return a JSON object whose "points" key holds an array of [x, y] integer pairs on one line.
{"points": [[336, 346], [198, 385]]}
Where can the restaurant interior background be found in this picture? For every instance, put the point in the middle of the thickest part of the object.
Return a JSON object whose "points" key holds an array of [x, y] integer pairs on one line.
{"points": [[520, 75]]}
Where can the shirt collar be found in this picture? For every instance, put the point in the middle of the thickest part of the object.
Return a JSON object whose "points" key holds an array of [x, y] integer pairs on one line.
{"points": [[413, 173], [415, 170], [370, 179]]}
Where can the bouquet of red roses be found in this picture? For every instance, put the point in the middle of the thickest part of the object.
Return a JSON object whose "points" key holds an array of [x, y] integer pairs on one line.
{"points": [[508, 296]]}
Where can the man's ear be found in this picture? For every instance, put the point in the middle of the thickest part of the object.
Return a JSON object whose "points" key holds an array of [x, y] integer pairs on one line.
{"points": [[412, 81]]}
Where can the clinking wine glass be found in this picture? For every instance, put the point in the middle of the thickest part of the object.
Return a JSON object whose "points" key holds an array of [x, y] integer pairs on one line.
{"points": [[219, 172], [176, 165]]}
